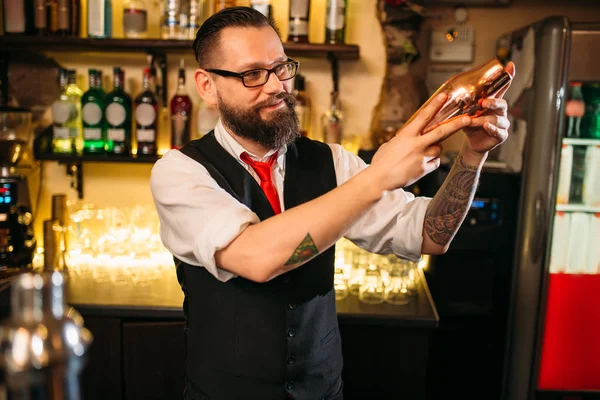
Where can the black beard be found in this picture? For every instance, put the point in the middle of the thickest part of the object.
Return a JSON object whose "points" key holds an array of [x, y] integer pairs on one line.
{"points": [[281, 129]]}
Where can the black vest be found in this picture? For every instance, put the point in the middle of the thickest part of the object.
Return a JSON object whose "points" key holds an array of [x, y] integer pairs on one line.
{"points": [[263, 341]]}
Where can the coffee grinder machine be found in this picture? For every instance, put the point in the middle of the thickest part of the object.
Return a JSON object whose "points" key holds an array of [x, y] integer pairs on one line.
{"points": [[17, 241]]}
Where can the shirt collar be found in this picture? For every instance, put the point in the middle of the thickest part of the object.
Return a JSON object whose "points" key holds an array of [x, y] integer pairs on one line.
{"points": [[234, 148]]}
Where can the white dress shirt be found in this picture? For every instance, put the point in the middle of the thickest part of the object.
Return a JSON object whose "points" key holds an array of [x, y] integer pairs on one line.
{"points": [[198, 218]]}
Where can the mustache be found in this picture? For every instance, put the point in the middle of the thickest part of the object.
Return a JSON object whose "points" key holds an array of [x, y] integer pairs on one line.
{"points": [[289, 99]]}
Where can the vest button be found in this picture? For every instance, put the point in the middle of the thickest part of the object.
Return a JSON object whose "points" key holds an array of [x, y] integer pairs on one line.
{"points": [[291, 332], [292, 306], [289, 385], [291, 359]]}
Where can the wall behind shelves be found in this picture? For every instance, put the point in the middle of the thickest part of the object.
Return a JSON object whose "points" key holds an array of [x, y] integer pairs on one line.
{"points": [[360, 83]]}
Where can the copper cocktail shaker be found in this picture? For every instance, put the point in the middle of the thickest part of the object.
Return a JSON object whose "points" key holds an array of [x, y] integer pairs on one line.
{"points": [[466, 90]]}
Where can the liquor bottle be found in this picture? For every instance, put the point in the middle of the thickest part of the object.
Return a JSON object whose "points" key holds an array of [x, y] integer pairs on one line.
{"points": [[118, 116], [574, 110], [181, 112], [135, 19], [146, 109], [302, 105], [332, 121], [578, 172], [465, 90], [335, 25], [74, 17], [263, 6], [18, 17], [193, 23], [99, 18], [92, 112], [64, 17], [52, 15], [169, 25], [298, 26], [222, 4], [65, 115], [40, 20]]}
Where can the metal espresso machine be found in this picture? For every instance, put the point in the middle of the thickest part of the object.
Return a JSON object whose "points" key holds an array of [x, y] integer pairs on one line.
{"points": [[17, 241]]}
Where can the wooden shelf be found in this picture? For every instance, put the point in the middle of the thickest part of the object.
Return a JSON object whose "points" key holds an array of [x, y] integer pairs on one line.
{"points": [[57, 43], [99, 158]]}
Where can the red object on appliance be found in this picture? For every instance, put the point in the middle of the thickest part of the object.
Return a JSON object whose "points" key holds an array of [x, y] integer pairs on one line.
{"points": [[570, 358]]}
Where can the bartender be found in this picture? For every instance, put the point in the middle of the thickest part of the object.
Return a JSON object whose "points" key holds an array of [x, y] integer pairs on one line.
{"points": [[252, 210]]}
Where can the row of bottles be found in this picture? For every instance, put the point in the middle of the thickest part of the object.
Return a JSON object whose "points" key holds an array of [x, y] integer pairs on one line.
{"points": [[583, 110], [96, 122], [179, 19]]}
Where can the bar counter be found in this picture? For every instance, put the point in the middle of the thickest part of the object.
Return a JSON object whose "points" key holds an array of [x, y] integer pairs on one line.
{"points": [[161, 297]]}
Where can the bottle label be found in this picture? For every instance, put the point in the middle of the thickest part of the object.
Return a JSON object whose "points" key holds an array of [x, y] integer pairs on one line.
{"points": [[91, 113], [145, 114], [61, 112], [61, 132], [115, 114], [145, 135], [92, 134], [135, 20], [298, 27], [95, 20], [116, 135], [335, 14]]}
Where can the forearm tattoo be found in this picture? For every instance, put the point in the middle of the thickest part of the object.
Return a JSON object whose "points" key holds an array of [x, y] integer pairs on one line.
{"points": [[449, 207], [304, 252]]}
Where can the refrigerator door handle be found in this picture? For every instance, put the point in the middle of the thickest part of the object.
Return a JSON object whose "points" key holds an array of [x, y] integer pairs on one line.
{"points": [[536, 242]]}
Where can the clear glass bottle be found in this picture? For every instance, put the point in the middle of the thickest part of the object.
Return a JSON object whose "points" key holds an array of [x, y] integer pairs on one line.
{"points": [[335, 25], [93, 107], [372, 291], [333, 121], [181, 112], [99, 18], [298, 21], [118, 116], [135, 19], [146, 110], [169, 23], [65, 115]]}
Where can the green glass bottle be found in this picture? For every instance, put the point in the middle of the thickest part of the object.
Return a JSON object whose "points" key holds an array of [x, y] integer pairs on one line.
{"points": [[118, 117], [65, 115], [92, 115], [590, 125]]}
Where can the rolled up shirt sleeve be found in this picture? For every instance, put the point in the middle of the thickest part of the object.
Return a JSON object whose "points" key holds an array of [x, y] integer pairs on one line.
{"points": [[394, 224], [197, 217]]}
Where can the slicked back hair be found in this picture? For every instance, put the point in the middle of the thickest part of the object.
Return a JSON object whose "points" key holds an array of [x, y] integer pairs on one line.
{"points": [[207, 42]]}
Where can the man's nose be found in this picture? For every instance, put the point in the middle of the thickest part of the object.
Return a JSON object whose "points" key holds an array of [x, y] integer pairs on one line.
{"points": [[273, 85]]}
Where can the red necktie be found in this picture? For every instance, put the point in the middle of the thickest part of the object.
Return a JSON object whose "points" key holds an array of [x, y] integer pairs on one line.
{"points": [[264, 170]]}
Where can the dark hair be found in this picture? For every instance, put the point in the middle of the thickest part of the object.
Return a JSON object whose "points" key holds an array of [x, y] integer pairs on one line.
{"points": [[207, 37]]}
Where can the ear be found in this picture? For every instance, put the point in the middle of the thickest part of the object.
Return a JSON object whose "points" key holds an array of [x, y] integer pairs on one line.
{"points": [[206, 87]]}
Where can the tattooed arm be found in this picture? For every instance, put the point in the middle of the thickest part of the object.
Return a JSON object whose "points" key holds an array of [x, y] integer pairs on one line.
{"points": [[450, 205]]}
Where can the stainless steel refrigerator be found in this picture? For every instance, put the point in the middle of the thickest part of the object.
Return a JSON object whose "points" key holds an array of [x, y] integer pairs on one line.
{"points": [[553, 337]]}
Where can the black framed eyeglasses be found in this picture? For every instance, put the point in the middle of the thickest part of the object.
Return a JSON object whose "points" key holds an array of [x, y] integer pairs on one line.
{"points": [[260, 76]]}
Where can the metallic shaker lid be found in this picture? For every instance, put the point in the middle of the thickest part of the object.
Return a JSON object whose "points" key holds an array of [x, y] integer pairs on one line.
{"points": [[40, 333]]}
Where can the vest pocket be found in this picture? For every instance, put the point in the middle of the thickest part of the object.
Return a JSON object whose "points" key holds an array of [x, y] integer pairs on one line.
{"points": [[332, 334]]}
